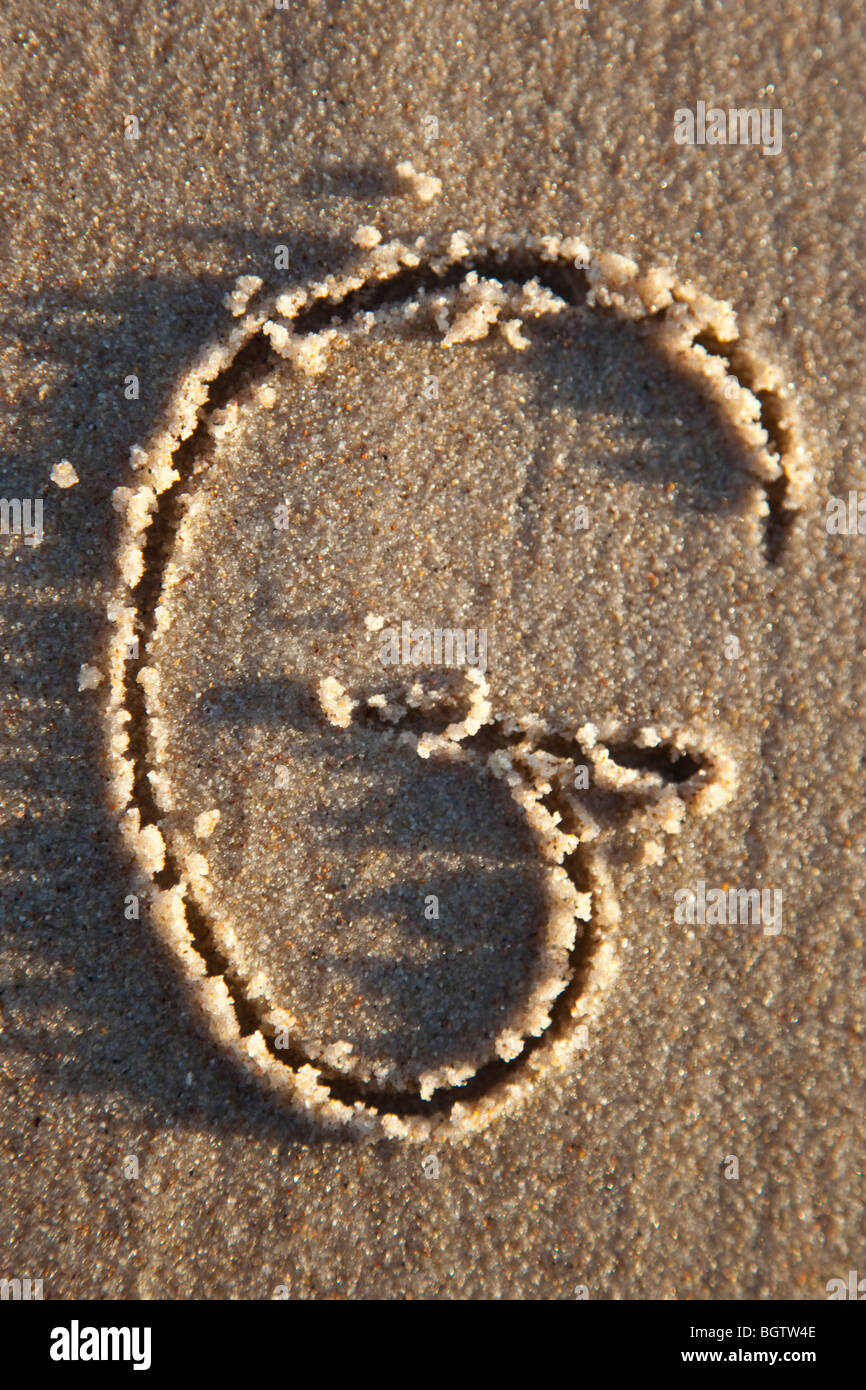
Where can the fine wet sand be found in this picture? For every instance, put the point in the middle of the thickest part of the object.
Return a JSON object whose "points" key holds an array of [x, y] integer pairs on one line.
{"points": [[263, 133]]}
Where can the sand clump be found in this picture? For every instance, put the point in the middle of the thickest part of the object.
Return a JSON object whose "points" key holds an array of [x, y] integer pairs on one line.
{"points": [[63, 474], [425, 187]]}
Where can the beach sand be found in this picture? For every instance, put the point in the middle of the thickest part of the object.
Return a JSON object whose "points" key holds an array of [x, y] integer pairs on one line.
{"points": [[696, 612]]}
